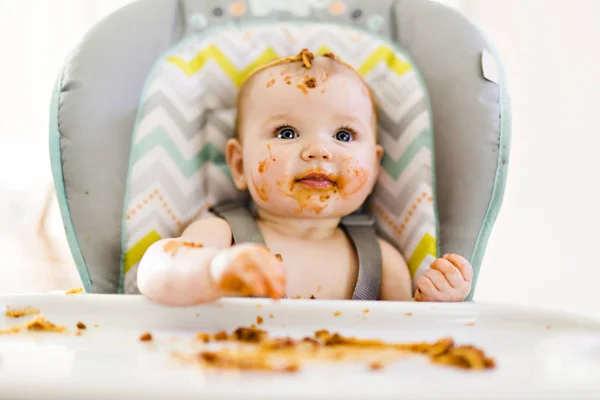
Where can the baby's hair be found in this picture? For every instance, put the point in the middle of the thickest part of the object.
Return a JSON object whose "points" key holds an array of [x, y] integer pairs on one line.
{"points": [[306, 57]]}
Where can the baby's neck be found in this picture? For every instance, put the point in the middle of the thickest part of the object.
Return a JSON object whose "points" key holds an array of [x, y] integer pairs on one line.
{"points": [[303, 228]]}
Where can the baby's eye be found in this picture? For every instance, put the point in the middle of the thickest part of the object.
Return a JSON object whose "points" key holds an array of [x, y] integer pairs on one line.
{"points": [[286, 133], [343, 135]]}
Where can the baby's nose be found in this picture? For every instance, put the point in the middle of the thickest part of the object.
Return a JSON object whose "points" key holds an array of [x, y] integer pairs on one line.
{"points": [[316, 151]]}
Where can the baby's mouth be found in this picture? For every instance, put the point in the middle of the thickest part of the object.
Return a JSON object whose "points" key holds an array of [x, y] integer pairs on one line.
{"points": [[317, 180]]}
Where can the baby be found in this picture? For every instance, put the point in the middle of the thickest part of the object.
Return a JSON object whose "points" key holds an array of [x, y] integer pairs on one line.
{"points": [[306, 150]]}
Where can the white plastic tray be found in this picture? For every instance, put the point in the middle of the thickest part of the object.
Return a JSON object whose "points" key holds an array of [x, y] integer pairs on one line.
{"points": [[539, 354]]}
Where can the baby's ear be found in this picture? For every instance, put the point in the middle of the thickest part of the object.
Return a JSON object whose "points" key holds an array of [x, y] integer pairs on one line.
{"points": [[235, 162]]}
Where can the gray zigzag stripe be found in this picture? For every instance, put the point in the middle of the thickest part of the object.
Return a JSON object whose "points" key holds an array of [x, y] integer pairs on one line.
{"points": [[381, 82], [422, 221], [391, 201], [188, 129], [408, 235], [157, 175], [187, 88], [396, 130], [161, 222]]}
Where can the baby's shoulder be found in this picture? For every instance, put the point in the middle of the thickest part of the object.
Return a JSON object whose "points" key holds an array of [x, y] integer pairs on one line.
{"points": [[389, 253], [211, 231]]}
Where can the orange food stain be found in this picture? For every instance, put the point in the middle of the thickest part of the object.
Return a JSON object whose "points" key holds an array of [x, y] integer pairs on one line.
{"points": [[302, 87], [271, 83], [173, 246], [263, 166], [261, 191], [352, 180]]}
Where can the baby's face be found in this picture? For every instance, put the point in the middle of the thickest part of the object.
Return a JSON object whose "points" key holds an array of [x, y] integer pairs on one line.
{"points": [[308, 140]]}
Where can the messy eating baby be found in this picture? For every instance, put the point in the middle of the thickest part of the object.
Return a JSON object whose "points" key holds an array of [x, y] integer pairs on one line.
{"points": [[306, 150]]}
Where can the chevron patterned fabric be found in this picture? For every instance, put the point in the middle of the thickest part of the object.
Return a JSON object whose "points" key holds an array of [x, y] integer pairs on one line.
{"points": [[177, 166]]}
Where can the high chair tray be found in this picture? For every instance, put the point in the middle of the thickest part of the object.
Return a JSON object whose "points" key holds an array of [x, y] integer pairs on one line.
{"points": [[538, 353]]}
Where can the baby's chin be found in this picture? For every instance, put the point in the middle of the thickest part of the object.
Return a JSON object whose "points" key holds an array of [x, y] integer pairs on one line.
{"points": [[317, 206]]}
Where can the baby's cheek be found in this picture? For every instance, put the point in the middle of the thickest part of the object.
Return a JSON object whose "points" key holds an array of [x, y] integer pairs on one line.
{"points": [[266, 170], [354, 176]]}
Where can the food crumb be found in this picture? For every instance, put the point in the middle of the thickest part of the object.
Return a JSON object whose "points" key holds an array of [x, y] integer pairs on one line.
{"points": [[21, 312], [205, 337], [81, 325], [74, 291], [310, 83], [366, 311], [375, 366], [302, 87], [95, 325], [470, 324], [259, 320], [278, 256], [222, 335], [271, 83], [408, 314], [39, 323], [271, 316], [291, 368], [337, 313], [78, 333], [312, 297], [146, 337]]}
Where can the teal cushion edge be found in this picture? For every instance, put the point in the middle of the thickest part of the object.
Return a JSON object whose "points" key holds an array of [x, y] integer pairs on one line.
{"points": [[59, 185], [501, 174]]}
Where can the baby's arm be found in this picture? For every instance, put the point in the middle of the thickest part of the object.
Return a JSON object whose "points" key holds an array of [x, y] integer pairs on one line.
{"points": [[396, 282], [176, 274], [201, 266]]}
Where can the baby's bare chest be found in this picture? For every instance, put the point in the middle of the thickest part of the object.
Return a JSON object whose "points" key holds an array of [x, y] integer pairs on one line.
{"points": [[325, 269]]}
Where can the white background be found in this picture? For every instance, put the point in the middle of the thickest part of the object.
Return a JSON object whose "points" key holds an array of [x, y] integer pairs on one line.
{"points": [[541, 251]]}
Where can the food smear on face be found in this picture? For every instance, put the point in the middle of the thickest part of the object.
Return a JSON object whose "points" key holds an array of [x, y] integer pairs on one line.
{"points": [[353, 178], [262, 190]]}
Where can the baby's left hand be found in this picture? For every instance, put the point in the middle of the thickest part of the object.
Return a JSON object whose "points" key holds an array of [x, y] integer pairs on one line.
{"points": [[448, 279]]}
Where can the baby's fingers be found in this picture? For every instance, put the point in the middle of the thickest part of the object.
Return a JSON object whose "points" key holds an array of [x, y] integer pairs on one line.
{"points": [[462, 264], [452, 273], [426, 290]]}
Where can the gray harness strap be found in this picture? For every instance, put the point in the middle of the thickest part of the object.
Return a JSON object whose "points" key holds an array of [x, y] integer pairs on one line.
{"points": [[242, 224], [359, 229]]}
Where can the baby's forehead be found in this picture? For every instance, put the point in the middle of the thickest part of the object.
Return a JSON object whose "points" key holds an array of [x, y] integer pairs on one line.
{"points": [[321, 67]]}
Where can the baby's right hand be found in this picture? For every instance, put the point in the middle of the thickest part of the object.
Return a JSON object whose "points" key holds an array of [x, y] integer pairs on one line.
{"points": [[248, 269]]}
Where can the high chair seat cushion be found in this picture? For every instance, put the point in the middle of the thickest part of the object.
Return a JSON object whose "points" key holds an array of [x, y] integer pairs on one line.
{"points": [[102, 91]]}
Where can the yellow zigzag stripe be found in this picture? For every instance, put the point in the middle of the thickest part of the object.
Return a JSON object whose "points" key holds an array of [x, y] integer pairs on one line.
{"points": [[212, 52], [427, 246], [383, 53], [134, 255]]}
